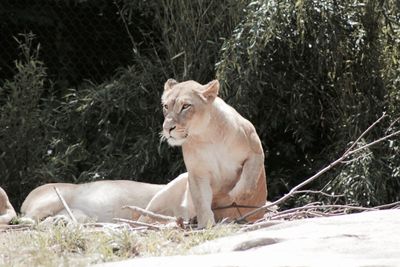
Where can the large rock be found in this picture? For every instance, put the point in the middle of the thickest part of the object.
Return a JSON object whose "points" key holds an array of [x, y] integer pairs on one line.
{"points": [[363, 239]]}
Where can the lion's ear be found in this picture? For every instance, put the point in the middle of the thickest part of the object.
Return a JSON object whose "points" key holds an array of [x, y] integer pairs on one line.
{"points": [[169, 84], [211, 90]]}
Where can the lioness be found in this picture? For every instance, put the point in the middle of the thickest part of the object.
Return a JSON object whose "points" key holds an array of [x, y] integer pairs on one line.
{"points": [[221, 150], [100, 201], [173, 200], [7, 212]]}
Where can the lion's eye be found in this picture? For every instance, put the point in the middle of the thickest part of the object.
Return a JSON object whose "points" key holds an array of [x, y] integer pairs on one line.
{"points": [[165, 106], [186, 106]]}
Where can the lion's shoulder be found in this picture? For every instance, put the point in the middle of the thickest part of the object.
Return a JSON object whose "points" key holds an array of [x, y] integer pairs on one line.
{"points": [[231, 121]]}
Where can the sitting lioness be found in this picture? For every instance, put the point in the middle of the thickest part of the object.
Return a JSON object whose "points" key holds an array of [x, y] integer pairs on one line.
{"points": [[99, 201], [221, 150], [7, 212]]}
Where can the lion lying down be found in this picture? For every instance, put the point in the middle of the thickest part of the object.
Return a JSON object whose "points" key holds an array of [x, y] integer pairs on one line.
{"points": [[99, 201], [7, 212], [222, 153]]}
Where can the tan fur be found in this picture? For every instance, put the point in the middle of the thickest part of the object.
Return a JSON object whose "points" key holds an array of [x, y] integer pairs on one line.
{"points": [[7, 212], [100, 201], [173, 200], [221, 149]]}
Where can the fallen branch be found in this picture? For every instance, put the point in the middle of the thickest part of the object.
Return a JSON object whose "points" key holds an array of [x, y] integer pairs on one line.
{"points": [[394, 205], [314, 207], [15, 227], [136, 223], [333, 210], [64, 203], [299, 215], [156, 216], [312, 210], [316, 192], [347, 153], [234, 205]]}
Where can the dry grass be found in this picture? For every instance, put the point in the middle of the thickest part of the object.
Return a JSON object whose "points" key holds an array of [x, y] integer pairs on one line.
{"points": [[82, 245]]}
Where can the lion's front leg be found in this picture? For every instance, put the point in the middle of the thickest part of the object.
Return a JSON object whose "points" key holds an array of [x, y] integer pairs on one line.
{"points": [[251, 189], [252, 171], [201, 191]]}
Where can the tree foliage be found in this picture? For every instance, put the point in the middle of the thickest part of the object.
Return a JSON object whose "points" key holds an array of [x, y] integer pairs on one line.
{"points": [[310, 75]]}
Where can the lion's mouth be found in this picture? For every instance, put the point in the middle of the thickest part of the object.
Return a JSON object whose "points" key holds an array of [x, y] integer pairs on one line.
{"points": [[175, 140]]}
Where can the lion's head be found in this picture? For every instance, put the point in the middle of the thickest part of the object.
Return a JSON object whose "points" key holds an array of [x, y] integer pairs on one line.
{"points": [[186, 108]]}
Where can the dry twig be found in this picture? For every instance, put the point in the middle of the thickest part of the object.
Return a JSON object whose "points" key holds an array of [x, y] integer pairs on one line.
{"points": [[315, 209], [156, 216], [136, 223], [15, 227], [394, 205], [316, 192], [341, 208], [65, 205]]}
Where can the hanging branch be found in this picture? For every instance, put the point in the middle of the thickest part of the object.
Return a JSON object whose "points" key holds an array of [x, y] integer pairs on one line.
{"points": [[351, 150]]}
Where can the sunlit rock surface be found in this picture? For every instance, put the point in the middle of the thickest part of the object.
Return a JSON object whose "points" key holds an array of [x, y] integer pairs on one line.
{"points": [[363, 239]]}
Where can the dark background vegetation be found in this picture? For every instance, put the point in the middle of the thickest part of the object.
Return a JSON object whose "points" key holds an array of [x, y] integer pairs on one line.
{"points": [[81, 80]]}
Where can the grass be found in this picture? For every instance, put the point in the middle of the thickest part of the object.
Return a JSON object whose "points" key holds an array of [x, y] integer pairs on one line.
{"points": [[79, 245]]}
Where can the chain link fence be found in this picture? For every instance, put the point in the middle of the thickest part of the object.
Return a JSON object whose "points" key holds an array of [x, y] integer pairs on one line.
{"points": [[79, 39]]}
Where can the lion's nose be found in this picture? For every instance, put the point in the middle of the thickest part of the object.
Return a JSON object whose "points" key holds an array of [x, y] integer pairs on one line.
{"points": [[169, 125], [171, 129]]}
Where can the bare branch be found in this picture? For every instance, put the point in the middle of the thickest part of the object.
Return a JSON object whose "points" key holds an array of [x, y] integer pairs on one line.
{"points": [[136, 223], [390, 205], [299, 215], [158, 217], [356, 158], [349, 207], [64, 203], [392, 124], [316, 192], [374, 142], [234, 205], [15, 227], [364, 133]]}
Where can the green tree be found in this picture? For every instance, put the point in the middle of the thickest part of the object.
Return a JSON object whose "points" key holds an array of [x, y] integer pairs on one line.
{"points": [[309, 74]]}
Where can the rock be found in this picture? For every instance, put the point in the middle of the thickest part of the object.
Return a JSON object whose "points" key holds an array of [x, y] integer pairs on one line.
{"points": [[363, 239]]}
